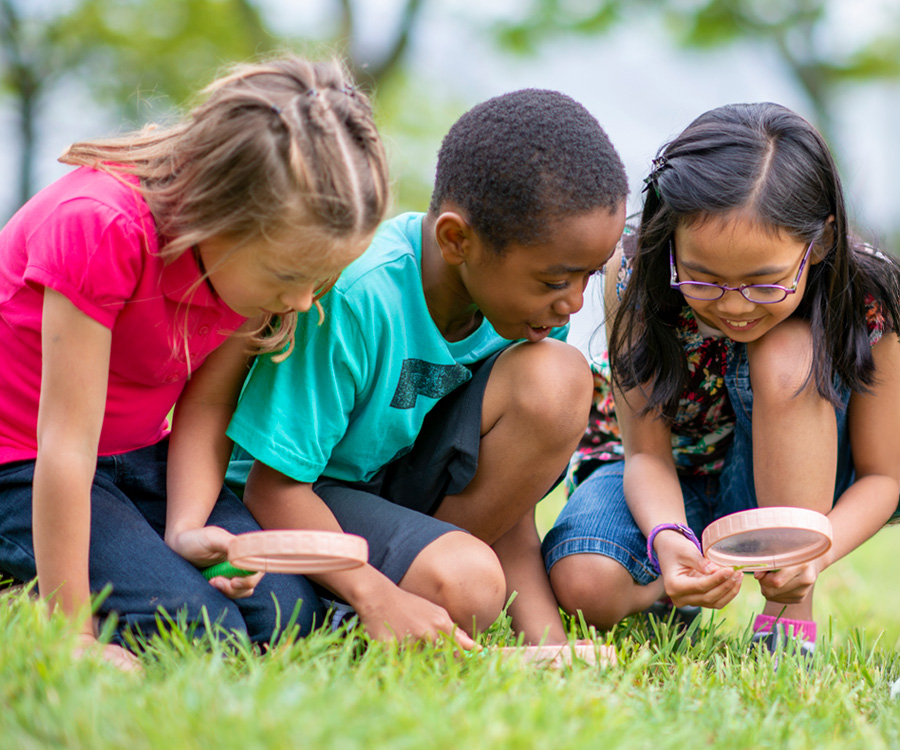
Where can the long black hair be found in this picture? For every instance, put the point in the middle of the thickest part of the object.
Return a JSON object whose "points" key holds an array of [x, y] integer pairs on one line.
{"points": [[765, 158]]}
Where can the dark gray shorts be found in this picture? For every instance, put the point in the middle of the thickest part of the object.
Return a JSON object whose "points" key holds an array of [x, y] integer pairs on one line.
{"points": [[393, 511]]}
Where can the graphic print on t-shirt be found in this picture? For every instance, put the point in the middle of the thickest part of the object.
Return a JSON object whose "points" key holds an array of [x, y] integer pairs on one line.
{"points": [[418, 377]]}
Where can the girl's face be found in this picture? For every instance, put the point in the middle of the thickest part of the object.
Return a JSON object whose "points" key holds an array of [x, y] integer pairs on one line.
{"points": [[527, 290], [266, 276], [733, 250]]}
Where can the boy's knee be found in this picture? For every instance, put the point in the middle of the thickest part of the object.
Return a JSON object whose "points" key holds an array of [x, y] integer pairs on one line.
{"points": [[475, 587], [551, 383], [465, 577]]}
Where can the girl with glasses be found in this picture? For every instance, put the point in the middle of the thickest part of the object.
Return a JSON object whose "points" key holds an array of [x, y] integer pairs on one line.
{"points": [[753, 361]]}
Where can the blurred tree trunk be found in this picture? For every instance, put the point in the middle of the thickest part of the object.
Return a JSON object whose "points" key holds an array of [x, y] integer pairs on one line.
{"points": [[22, 77], [168, 48], [371, 75]]}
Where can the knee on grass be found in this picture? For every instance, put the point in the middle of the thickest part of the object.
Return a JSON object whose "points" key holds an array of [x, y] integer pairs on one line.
{"points": [[598, 587], [463, 575]]}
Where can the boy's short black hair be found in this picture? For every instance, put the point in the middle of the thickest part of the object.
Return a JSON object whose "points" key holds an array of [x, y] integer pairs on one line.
{"points": [[520, 161]]}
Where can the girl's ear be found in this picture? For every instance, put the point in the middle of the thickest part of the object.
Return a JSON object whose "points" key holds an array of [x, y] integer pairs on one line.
{"points": [[454, 237], [821, 248]]}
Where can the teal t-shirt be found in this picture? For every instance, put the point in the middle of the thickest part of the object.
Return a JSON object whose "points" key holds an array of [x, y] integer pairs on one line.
{"points": [[353, 394]]}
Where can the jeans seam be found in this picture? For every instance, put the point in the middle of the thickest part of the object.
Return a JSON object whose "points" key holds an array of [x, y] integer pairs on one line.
{"points": [[737, 367]]}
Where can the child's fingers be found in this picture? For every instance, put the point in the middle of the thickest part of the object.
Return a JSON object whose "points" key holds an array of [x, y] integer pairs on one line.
{"points": [[786, 590], [239, 587], [462, 639], [717, 588], [115, 655], [780, 578], [787, 585], [725, 593], [704, 583], [215, 540], [720, 596], [202, 546]]}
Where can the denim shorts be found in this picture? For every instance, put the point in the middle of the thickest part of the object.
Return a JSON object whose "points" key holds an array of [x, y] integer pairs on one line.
{"points": [[127, 551], [596, 519], [394, 510]]}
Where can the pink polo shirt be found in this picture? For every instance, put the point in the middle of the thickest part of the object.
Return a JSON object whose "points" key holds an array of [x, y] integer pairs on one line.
{"points": [[93, 239]]}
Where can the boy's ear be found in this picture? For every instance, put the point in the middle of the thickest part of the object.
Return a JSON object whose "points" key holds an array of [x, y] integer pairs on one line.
{"points": [[454, 237]]}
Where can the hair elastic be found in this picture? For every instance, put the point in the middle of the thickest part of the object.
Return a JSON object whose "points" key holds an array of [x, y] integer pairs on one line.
{"points": [[312, 93], [276, 109]]}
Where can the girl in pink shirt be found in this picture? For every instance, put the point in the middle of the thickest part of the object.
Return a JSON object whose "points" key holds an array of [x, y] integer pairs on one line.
{"points": [[148, 275]]}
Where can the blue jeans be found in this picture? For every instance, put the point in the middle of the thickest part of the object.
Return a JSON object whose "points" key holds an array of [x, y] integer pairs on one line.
{"points": [[596, 519], [127, 551]]}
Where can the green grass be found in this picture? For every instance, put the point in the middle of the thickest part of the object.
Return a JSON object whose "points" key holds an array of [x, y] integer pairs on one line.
{"points": [[343, 692]]}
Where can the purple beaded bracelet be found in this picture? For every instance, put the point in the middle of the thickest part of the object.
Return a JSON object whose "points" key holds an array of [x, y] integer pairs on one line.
{"points": [[680, 527]]}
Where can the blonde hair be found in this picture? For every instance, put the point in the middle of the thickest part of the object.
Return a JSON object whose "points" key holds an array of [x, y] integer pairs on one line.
{"points": [[285, 146]]}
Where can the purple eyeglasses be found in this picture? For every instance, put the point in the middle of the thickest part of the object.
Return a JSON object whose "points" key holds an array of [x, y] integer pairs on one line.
{"points": [[760, 294]]}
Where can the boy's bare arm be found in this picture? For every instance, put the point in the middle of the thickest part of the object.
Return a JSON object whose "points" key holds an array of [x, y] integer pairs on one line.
{"points": [[385, 609]]}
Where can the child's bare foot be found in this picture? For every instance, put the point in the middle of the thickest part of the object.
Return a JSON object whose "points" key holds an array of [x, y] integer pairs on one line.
{"points": [[116, 655]]}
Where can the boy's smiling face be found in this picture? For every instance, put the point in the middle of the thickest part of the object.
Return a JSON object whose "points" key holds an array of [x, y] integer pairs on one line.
{"points": [[527, 289]]}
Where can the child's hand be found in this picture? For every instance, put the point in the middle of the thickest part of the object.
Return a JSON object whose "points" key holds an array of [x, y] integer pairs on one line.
{"points": [[788, 585], [401, 615], [206, 546], [690, 578]]}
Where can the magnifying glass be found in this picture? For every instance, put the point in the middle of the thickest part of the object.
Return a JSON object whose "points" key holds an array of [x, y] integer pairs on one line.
{"points": [[767, 538], [291, 552]]}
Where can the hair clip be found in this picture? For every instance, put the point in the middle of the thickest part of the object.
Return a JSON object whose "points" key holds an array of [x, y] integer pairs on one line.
{"points": [[349, 91], [658, 164], [652, 179]]}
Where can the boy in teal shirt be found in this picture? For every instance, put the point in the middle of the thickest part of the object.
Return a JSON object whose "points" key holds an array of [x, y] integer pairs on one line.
{"points": [[433, 399]]}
